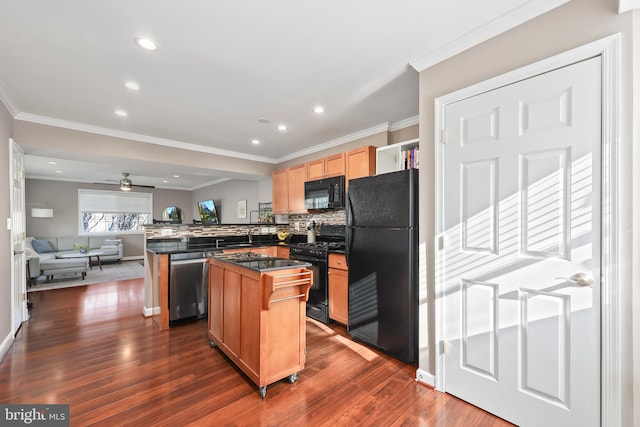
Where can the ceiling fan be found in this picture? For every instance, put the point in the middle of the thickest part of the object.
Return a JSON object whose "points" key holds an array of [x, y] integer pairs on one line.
{"points": [[126, 184]]}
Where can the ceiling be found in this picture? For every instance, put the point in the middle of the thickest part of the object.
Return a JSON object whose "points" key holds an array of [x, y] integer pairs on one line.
{"points": [[225, 73]]}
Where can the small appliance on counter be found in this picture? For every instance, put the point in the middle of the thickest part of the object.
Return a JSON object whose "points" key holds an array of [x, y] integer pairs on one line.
{"points": [[311, 232]]}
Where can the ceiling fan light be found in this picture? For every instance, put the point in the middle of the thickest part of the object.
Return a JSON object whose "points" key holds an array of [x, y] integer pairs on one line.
{"points": [[125, 184]]}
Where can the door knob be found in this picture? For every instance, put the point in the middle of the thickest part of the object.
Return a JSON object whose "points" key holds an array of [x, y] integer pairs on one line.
{"points": [[580, 279]]}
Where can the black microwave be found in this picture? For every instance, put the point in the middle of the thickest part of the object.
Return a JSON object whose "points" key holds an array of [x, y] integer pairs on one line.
{"points": [[325, 193]]}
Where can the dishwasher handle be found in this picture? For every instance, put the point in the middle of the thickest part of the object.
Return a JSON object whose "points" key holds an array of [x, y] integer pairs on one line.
{"points": [[189, 261]]}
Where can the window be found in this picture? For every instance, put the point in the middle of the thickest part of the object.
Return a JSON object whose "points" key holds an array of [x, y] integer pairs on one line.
{"points": [[104, 212]]}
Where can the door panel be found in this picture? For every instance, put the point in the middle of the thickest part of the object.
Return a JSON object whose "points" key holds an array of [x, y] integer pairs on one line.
{"points": [[522, 217]]}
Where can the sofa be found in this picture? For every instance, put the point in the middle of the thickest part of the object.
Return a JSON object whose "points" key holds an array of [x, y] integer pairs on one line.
{"points": [[44, 255]]}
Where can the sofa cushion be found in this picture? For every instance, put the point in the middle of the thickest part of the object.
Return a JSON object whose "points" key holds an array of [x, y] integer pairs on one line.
{"points": [[41, 246]]}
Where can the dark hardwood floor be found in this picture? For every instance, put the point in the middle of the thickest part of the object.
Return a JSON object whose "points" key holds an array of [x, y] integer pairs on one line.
{"points": [[90, 347]]}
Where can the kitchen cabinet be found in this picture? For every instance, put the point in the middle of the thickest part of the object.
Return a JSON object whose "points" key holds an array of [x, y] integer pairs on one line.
{"points": [[262, 250], [360, 162], [288, 190], [338, 289], [158, 265], [326, 167], [280, 191], [396, 157], [297, 178], [258, 319]]}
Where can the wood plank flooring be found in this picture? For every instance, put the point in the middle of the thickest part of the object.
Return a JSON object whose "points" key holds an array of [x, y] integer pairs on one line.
{"points": [[90, 347]]}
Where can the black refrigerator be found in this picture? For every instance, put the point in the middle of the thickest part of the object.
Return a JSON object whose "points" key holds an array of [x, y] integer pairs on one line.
{"points": [[382, 256]]}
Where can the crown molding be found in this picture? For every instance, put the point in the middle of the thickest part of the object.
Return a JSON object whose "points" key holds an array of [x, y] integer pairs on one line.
{"points": [[627, 5], [411, 121], [485, 32], [385, 127], [7, 101], [33, 118], [48, 121]]}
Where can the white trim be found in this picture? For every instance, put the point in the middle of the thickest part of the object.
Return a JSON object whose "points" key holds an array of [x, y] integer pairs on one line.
{"points": [[627, 5], [425, 377], [65, 124], [611, 365], [150, 311], [385, 127], [7, 101], [6, 345], [485, 32], [411, 121]]}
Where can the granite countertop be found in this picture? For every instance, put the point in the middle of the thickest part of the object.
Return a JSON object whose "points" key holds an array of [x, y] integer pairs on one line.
{"points": [[259, 262], [185, 247]]}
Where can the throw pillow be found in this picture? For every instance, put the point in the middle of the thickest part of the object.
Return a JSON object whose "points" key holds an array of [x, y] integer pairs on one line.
{"points": [[112, 241], [41, 246]]}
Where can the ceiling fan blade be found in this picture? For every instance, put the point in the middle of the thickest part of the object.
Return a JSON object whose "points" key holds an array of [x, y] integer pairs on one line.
{"points": [[144, 186]]}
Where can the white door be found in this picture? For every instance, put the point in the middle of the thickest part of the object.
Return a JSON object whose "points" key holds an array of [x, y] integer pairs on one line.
{"points": [[521, 261], [18, 222]]}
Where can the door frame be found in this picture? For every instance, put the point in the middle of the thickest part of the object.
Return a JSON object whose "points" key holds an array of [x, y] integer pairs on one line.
{"points": [[18, 287], [608, 49]]}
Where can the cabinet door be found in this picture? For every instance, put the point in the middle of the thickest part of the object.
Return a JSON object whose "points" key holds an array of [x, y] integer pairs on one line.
{"points": [[316, 169], [339, 295], [216, 277], [231, 311], [361, 162], [280, 191], [297, 178], [334, 165]]}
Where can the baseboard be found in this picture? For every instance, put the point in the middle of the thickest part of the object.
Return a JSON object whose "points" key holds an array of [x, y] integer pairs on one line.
{"points": [[150, 311], [6, 345], [424, 377], [132, 258]]}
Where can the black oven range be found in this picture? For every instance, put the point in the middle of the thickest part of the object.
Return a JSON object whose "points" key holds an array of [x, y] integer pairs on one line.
{"points": [[330, 238]]}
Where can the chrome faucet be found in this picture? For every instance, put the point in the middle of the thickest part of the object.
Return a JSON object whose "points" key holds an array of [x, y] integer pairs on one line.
{"points": [[250, 235]]}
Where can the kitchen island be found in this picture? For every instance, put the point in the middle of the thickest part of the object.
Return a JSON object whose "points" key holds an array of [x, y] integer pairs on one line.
{"points": [[257, 314]]}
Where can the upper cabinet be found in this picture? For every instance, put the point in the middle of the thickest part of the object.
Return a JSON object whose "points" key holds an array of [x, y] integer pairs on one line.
{"points": [[360, 162], [326, 167], [288, 184], [400, 156], [280, 191], [297, 178]]}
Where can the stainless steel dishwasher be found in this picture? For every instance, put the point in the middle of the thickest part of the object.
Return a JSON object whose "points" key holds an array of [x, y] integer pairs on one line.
{"points": [[188, 286]]}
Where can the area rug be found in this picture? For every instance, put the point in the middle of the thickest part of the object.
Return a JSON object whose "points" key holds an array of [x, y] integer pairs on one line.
{"points": [[110, 272]]}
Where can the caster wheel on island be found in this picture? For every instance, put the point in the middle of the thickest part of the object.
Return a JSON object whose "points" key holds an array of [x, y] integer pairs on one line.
{"points": [[263, 392], [293, 377], [212, 344]]}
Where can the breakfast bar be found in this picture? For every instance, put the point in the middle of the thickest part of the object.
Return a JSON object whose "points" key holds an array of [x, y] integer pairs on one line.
{"points": [[257, 314]]}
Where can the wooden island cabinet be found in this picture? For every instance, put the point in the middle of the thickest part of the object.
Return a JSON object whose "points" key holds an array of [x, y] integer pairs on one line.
{"points": [[258, 318]]}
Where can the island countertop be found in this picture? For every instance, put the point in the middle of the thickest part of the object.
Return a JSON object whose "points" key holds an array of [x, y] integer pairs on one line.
{"points": [[258, 262]]}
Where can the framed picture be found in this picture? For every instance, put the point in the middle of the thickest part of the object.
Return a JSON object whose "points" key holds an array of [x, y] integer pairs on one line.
{"points": [[242, 208]]}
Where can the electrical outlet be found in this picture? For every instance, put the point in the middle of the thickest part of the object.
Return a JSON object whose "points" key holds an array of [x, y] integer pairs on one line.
{"points": [[264, 230], [297, 226], [272, 230], [167, 232]]}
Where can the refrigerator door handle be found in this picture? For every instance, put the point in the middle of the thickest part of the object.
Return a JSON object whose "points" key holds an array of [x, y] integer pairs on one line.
{"points": [[348, 230]]}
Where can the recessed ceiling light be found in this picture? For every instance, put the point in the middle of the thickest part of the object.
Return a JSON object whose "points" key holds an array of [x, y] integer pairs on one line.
{"points": [[58, 171], [121, 113], [282, 127], [176, 176], [165, 181], [255, 141], [52, 163], [132, 85], [146, 43], [318, 109]]}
